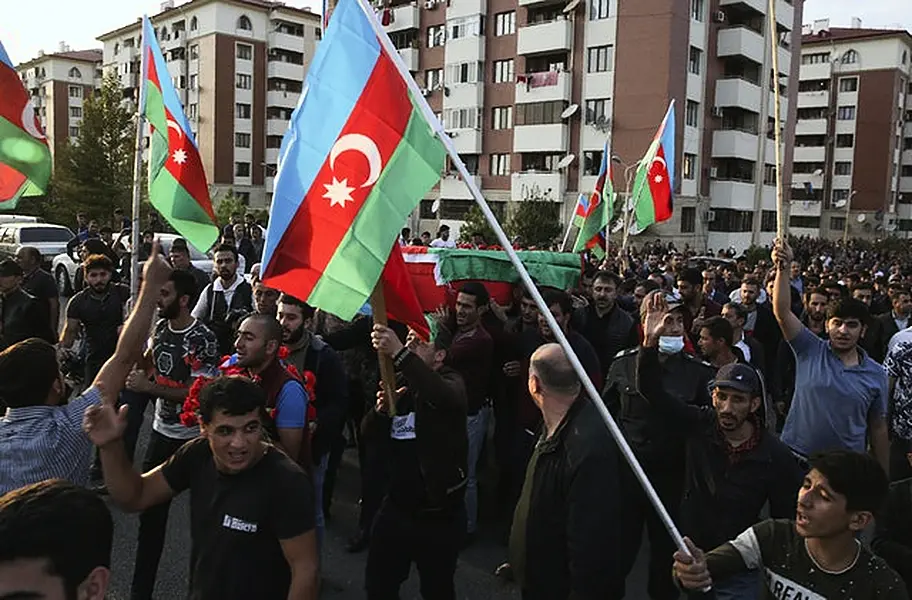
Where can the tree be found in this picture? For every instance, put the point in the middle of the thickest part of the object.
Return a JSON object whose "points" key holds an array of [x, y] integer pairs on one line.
{"points": [[536, 222], [94, 172], [227, 206], [475, 222]]}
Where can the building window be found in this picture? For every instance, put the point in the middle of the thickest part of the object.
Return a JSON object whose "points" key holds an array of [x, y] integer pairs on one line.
{"points": [[467, 72], [241, 111], [850, 57], [74, 132], [76, 112], [769, 174], [242, 169], [907, 143], [815, 58], [433, 78], [598, 9], [688, 219], [592, 162], [540, 161], [194, 52], [503, 71], [805, 222], [244, 52], [244, 23], [436, 35], [75, 91], [241, 140], [503, 117], [692, 113], [500, 164], [848, 84], [192, 110], [505, 23], [597, 108], [601, 59], [845, 140], [837, 223], [696, 10], [731, 220], [689, 168], [840, 195], [466, 27], [842, 168], [75, 73], [539, 113], [194, 81], [243, 82], [845, 113], [462, 118], [695, 60], [768, 220], [906, 171]]}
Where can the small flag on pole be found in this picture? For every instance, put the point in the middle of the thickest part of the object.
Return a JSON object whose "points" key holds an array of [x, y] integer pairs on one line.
{"points": [[597, 212], [654, 182]]}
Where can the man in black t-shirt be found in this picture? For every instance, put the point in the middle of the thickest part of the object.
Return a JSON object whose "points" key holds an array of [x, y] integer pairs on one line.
{"points": [[251, 507], [99, 310], [39, 283]]}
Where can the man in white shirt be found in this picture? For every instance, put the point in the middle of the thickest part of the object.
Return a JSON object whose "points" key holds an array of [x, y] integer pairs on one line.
{"points": [[226, 300], [443, 238]]}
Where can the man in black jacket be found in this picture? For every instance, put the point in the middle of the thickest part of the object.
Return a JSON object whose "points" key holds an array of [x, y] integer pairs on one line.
{"points": [[422, 519], [224, 302], [21, 315], [565, 541], [734, 465], [603, 323]]}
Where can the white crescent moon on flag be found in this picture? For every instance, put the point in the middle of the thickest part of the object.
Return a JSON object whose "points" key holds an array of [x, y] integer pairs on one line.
{"points": [[176, 127], [28, 121], [364, 145], [661, 160]]}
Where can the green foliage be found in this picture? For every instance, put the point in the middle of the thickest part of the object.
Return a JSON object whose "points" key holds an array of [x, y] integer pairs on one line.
{"points": [[475, 222], [94, 172], [536, 222], [756, 253], [227, 205]]}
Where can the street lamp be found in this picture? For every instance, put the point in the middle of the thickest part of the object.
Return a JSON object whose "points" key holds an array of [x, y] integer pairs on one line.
{"points": [[845, 227]]}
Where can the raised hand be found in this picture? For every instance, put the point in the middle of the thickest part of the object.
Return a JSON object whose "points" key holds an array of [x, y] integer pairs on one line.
{"points": [[782, 255], [156, 270], [654, 323], [104, 424], [385, 340]]}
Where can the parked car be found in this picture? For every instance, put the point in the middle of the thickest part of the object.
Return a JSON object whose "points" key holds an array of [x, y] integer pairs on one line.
{"points": [[49, 239], [8, 218]]}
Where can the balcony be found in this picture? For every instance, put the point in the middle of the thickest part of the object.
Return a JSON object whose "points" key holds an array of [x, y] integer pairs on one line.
{"points": [[815, 71], [732, 194], [905, 185], [464, 8], [810, 154], [741, 41], [811, 127], [537, 185], [543, 87], [466, 141], [805, 208], [272, 156], [452, 187], [813, 99], [760, 6], [278, 98], [284, 70], [555, 36], [785, 60], [466, 49], [464, 94], [270, 185], [276, 126], [906, 157], [541, 138], [286, 41], [405, 17], [785, 14], [129, 80], [734, 144], [410, 58], [738, 92]]}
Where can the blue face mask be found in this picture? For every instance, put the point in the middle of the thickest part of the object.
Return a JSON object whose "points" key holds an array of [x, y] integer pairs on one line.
{"points": [[671, 344]]}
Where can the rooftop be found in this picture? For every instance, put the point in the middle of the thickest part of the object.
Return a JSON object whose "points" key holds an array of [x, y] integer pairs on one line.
{"points": [[89, 56], [845, 34]]}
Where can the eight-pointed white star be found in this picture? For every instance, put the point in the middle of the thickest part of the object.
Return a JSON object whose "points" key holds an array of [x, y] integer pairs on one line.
{"points": [[659, 179], [338, 192], [179, 156]]}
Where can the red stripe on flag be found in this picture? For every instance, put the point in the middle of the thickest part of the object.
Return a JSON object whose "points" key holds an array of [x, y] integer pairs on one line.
{"points": [[11, 182], [660, 186], [381, 114]]}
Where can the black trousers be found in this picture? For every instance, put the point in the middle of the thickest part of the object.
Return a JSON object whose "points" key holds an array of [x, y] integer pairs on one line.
{"points": [[135, 415], [430, 541], [637, 511], [153, 523], [899, 464]]}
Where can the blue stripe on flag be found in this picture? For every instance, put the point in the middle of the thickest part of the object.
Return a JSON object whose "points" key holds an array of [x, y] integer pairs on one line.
{"points": [[668, 145], [169, 94], [4, 57], [338, 74]]}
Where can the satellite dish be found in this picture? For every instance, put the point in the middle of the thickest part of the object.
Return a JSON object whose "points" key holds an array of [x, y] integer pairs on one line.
{"points": [[569, 111], [861, 218], [566, 161], [571, 6], [618, 225], [435, 207], [840, 203]]}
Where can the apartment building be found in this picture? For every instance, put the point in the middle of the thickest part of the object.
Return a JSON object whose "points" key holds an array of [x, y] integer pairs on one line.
{"points": [[531, 89], [58, 82], [853, 143], [238, 67]]}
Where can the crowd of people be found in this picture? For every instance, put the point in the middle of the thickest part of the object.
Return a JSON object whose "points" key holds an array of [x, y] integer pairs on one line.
{"points": [[769, 402]]}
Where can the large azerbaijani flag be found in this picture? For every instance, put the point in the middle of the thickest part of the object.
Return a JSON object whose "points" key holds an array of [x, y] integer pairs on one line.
{"points": [[654, 182], [599, 211], [25, 159], [357, 159], [177, 181]]}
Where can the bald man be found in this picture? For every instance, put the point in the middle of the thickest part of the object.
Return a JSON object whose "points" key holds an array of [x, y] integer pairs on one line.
{"points": [[565, 537]]}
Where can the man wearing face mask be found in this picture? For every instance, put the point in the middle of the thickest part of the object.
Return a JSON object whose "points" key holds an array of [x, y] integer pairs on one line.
{"points": [[657, 443]]}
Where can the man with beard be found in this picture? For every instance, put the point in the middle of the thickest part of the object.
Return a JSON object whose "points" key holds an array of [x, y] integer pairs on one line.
{"points": [[750, 349], [697, 306], [182, 349], [21, 315], [734, 465], [265, 299], [656, 442], [307, 352], [99, 311], [893, 322], [603, 323], [760, 323], [39, 283], [226, 300], [179, 255]]}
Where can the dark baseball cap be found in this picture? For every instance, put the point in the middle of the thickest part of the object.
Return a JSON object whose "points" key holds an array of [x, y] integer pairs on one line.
{"points": [[737, 376], [10, 268]]}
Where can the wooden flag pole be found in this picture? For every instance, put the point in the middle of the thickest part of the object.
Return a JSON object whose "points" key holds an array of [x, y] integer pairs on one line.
{"points": [[387, 370], [781, 224], [137, 177]]}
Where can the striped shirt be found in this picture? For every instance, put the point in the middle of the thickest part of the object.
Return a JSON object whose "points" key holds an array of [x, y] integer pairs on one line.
{"points": [[45, 442]]}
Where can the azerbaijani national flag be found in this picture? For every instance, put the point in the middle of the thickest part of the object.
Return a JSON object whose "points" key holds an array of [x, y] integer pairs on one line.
{"points": [[177, 181], [600, 207], [357, 159], [654, 182], [25, 158]]}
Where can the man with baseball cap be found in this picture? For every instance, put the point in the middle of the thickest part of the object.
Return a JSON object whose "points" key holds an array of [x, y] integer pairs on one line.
{"points": [[734, 466], [21, 315]]}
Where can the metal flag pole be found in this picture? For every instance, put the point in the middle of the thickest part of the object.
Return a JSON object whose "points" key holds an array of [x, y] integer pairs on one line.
{"points": [[569, 226], [593, 394], [137, 174], [781, 224]]}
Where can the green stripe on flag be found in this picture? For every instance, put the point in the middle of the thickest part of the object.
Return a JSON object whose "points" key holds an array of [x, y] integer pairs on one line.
{"points": [[358, 261], [184, 213], [642, 194], [25, 154]]}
